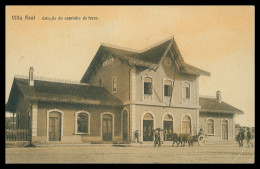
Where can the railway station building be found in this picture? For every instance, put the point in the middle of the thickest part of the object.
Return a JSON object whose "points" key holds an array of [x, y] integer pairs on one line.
{"points": [[122, 91]]}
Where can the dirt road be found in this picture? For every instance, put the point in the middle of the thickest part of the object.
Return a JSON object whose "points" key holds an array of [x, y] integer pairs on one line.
{"points": [[210, 153]]}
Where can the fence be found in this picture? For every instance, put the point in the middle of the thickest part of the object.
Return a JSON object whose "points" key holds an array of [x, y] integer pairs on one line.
{"points": [[17, 135]]}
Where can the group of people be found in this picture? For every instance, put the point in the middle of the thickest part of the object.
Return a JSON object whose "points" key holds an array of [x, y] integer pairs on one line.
{"points": [[157, 138], [241, 136], [148, 133], [167, 133]]}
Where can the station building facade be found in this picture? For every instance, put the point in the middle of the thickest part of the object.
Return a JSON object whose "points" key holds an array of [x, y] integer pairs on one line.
{"points": [[122, 91]]}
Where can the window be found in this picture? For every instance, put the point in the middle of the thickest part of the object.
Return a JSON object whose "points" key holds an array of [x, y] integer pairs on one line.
{"points": [[167, 87], [148, 85], [186, 124], [186, 87], [210, 126], [82, 122], [186, 92], [100, 82], [114, 85]]}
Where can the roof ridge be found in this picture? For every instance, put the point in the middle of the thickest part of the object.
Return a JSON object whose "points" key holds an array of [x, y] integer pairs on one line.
{"points": [[48, 79], [136, 50], [207, 96], [120, 47], [231, 105], [156, 44]]}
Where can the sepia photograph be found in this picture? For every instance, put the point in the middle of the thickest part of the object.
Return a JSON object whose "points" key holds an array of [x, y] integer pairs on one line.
{"points": [[130, 84]]}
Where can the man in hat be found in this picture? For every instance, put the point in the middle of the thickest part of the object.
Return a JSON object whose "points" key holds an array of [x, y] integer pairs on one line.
{"points": [[200, 132]]}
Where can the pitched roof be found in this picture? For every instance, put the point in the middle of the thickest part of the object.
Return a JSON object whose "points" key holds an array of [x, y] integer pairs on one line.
{"points": [[189, 69], [212, 105], [62, 92], [150, 58]]}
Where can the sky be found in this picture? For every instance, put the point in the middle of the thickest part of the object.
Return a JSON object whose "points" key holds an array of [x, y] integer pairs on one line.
{"points": [[217, 39]]}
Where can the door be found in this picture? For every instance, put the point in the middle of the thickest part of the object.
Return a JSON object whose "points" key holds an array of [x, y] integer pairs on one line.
{"points": [[148, 127], [186, 125], [107, 127], [54, 126], [125, 128], [224, 130], [148, 130], [167, 127]]}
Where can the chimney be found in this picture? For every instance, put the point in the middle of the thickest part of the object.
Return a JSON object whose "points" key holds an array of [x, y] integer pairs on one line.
{"points": [[218, 96], [31, 80]]}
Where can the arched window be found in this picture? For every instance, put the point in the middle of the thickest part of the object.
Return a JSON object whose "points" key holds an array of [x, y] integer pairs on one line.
{"points": [[167, 88], [148, 85], [186, 124], [210, 126], [82, 123], [186, 92]]}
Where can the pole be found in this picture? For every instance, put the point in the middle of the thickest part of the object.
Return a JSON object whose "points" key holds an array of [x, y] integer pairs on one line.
{"points": [[172, 86]]}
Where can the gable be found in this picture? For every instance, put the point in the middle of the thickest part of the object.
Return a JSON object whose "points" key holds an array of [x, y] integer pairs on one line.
{"points": [[149, 58], [13, 99]]}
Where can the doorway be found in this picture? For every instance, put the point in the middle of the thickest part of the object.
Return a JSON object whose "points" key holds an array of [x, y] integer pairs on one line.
{"points": [[167, 127], [125, 125], [186, 125], [224, 130], [107, 127], [148, 127], [55, 126]]}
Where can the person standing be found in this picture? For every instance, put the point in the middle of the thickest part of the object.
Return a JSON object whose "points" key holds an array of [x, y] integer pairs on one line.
{"points": [[150, 136], [200, 132], [145, 133], [248, 137], [241, 137], [157, 138], [137, 136], [166, 134]]}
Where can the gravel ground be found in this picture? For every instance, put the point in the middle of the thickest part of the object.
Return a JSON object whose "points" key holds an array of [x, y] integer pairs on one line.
{"points": [[210, 153]]}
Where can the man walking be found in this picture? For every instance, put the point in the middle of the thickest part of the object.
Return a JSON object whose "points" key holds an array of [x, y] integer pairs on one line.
{"points": [[248, 137], [157, 139]]}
